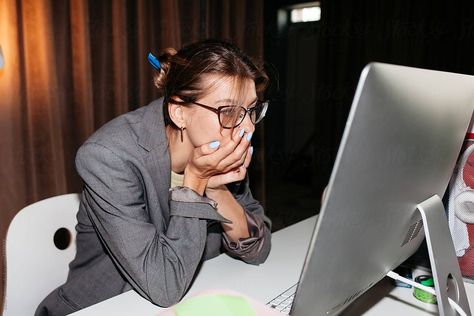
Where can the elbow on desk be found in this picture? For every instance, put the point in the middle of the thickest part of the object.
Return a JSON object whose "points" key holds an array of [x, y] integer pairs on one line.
{"points": [[262, 254], [167, 293], [166, 299]]}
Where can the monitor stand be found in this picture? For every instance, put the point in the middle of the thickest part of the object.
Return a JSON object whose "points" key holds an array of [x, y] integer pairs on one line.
{"points": [[444, 263]]}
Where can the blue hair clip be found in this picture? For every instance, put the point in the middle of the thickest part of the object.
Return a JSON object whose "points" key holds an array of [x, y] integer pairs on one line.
{"points": [[154, 61]]}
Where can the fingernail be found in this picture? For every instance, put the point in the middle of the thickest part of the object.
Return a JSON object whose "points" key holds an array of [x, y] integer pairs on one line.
{"points": [[249, 136], [214, 144], [251, 150], [241, 133]]}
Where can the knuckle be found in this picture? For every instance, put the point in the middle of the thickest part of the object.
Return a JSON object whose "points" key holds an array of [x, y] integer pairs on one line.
{"points": [[219, 168], [235, 156]]}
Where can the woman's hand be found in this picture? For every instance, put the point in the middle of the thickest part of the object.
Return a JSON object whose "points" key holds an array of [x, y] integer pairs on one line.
{"points": [[228, 207], [234, 175], [225, 160]]}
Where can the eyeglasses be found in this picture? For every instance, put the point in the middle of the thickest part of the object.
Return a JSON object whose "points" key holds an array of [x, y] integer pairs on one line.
{"points": [[231, 116]]}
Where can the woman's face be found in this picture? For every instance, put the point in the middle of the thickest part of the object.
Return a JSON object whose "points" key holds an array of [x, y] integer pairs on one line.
{"points": [[202, 125]]}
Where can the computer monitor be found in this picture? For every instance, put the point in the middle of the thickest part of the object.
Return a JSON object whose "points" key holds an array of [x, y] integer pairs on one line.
{"points": [[399, 148]]}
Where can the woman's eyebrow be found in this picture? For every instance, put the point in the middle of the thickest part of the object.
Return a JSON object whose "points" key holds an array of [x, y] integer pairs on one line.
{"points": [[231, 101], [253, 102], [226, 101]]}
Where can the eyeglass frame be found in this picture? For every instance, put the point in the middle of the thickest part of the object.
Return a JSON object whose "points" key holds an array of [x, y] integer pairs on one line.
{"points": [[218, 110]]}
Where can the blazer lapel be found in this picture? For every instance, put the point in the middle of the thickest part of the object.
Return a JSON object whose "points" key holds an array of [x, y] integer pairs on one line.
{"points": [[152, 138]]}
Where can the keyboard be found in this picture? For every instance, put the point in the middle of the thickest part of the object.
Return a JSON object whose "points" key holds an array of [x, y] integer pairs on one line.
{"points": [[283, 302]]}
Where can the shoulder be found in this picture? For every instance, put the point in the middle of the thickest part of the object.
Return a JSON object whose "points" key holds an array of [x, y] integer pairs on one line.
{"points": [[127, 127], [124, 134]]}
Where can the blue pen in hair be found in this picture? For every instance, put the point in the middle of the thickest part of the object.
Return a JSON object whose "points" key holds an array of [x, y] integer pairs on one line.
{"points": [[154, 61]]}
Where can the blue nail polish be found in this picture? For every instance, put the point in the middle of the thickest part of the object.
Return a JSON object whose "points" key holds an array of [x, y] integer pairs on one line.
{"points": [[241, 133], [249, 136], [154, 61], [214, 144], [251, 150]]}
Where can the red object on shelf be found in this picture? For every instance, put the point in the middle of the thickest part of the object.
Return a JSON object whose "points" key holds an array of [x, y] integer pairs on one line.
{"points": [[466, 262]]}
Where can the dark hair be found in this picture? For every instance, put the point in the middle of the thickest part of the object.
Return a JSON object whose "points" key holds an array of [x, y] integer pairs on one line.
{"points": [[182, 73]]}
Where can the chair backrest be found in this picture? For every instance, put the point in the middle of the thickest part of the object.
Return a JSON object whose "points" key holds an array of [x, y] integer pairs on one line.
{"points": [[40, 244]]}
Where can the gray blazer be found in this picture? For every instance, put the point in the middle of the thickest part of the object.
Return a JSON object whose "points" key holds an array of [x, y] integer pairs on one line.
{"points": [[133, 232]]}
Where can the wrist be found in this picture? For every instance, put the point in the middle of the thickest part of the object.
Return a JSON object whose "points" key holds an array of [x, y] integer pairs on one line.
{"points": [[216, 191], [194, 182]]}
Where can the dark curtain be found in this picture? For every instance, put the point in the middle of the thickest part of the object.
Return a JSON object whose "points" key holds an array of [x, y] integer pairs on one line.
{"points": [[426, 34], [71, 66]]}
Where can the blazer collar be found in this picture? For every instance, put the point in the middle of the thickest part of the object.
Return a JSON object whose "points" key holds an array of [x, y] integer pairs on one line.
{"points": [[152, 132]]}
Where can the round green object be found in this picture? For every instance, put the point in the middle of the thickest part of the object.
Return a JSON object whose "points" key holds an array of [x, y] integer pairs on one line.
{"points": [[426, 280]]}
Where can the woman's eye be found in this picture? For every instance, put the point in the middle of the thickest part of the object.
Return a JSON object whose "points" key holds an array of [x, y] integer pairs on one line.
{"points": [[228, 111]]}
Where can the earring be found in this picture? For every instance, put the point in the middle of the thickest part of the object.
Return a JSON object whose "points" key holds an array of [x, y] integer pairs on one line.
{"points": [[181, 129]]}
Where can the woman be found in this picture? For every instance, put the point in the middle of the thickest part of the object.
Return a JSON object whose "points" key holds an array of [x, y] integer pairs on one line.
{"points": [[166, 187]]}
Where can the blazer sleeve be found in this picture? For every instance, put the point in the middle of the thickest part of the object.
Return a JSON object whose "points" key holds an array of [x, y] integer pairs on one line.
{"points": [[254, 249], [159, 264]]}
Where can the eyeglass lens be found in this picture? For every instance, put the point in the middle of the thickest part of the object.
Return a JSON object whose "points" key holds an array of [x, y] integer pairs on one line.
{"points": [[229, 118]]}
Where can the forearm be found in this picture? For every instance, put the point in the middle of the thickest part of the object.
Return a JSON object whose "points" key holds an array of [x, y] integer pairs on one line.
{"points": [[149, 258], [229, 208], [254, 249]]}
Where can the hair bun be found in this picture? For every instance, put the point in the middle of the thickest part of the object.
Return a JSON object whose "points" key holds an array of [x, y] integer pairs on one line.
{"points": [[165, 61]]}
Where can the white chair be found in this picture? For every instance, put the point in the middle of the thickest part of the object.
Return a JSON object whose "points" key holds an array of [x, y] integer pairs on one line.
{"points": [[34, 263]]}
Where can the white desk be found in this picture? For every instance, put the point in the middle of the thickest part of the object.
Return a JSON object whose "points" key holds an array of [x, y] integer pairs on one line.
{"points": [[266, 281]]}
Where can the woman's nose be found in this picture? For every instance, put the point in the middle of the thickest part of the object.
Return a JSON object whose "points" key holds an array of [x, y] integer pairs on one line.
{"points": [[247, 124]]}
